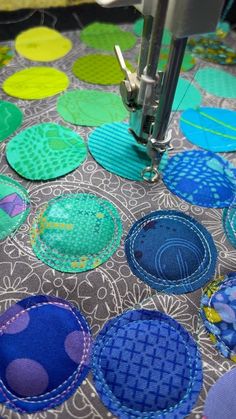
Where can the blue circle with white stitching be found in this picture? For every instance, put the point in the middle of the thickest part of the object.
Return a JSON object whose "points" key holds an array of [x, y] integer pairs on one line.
{"points": [[171, 251], [146, 365]]}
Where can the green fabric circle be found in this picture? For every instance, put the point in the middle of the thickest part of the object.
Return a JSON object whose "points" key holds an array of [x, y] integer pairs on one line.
{"points": [[14, 205], [10, 119], [105, 36], [99, 69], [188, 60], [217, 82], [91, 107], [186, 96], [76, 232], [138, 29], [45, 151]]}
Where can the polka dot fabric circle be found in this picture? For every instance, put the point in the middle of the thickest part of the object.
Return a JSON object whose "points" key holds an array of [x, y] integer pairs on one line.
{"points": [[42, 44], [91, 107], [229, 222], [218, 311], [171, 252], [213, 129], [213, 50], [36, 83], [45, 151], [14, 205], [10, 119], [217, 82], [39, 336], [99, 69], [105, 36], [76, 232], [201, 178], [221, 399], [146, 365]]}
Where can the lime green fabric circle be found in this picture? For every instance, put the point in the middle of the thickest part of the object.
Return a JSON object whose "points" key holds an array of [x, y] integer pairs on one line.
{"points": [[138, 29], [91, 107], [99, 69], [186, 96], [10, 119], [188, 60], [36, 83], [105, 36], [45, 151], [217, 82], [14, 205], [76, 232]]}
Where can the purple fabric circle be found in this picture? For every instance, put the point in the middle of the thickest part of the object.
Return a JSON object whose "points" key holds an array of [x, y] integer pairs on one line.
{"points": [[221, 399], [19, 324], [74, 346], [27, 377]]}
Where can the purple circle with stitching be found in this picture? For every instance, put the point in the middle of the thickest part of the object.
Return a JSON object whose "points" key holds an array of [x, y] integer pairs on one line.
{"points": [[74, 347]]}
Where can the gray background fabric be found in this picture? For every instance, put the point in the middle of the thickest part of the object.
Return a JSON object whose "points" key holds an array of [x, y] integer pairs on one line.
{"points": [[110, 289]]}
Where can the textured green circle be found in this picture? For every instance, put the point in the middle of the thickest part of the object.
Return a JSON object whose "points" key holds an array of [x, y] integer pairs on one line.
{"points": [[14, 205], [10, 119], [217, 82], [91, 107], [188, 60], [76, 232], [105, 36], [138, 29], [45, 151], [99, 69], [186, 96]]}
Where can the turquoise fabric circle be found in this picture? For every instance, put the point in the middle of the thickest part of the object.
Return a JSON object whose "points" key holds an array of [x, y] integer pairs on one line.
{"points": [[186, 96], [213, 129], [229, 223], [115, 149], [217, 82], [138, 29]]}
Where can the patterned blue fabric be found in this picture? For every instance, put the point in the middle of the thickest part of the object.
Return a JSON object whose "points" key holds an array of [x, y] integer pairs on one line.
{"points": [[146, 365], [171, 252], [229, 222], [44, 352], [201, 178]]}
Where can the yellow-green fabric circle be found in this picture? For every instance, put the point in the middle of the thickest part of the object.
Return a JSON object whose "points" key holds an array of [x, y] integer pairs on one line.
{"points": [[91, 107], [76, 232], [99, 69], [36, 83], [45, 151], [105, 36], [42, 44]]}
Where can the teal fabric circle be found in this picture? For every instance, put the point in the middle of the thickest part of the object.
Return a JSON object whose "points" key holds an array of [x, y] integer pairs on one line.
{"points": [[186, 96], [10, 119], [115, 149], [217, 82], [138, 29], [229, 223]]}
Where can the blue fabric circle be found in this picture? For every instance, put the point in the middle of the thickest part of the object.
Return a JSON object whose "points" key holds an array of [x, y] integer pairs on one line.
{"points": [[229, 223], [171, 252], [213, 129], [44, 351], [146, 365], [201, 178]]}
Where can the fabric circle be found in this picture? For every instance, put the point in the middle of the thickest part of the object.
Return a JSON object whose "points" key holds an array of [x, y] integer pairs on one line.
{"points": [[218, 311], [221, 400], [201, 178], [212, 50], [36, 372], [213, 129], [145, 364], [91, 107], [10, 119], [171, 252], [188, 60], [6, 55], [42, 44], [105, 36], [229, 223], [138, 29], [186, 96], [217, 82], [36, 83], [14, 205], [45, 151], [99, 69], [72, 346], [111, 145], [76, 232]]}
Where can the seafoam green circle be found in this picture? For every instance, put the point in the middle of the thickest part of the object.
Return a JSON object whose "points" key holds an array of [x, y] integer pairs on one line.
{"points": [[91, 107], [105, 36], [45, 151], [76, 232], [138, 29], [217, 82], [10, 119], [186, 96], [14, 205]]}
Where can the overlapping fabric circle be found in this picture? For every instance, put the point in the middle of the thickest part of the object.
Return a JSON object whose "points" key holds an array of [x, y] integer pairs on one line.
{"points": [[10, 119]]}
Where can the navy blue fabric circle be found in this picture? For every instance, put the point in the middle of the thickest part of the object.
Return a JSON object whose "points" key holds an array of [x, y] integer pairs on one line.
{"points": [[201, 178], [146, 365], [44, 351], [171, 252]]}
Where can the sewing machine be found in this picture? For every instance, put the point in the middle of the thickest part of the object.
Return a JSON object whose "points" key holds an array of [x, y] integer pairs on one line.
{"points": [[148, 94]]}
